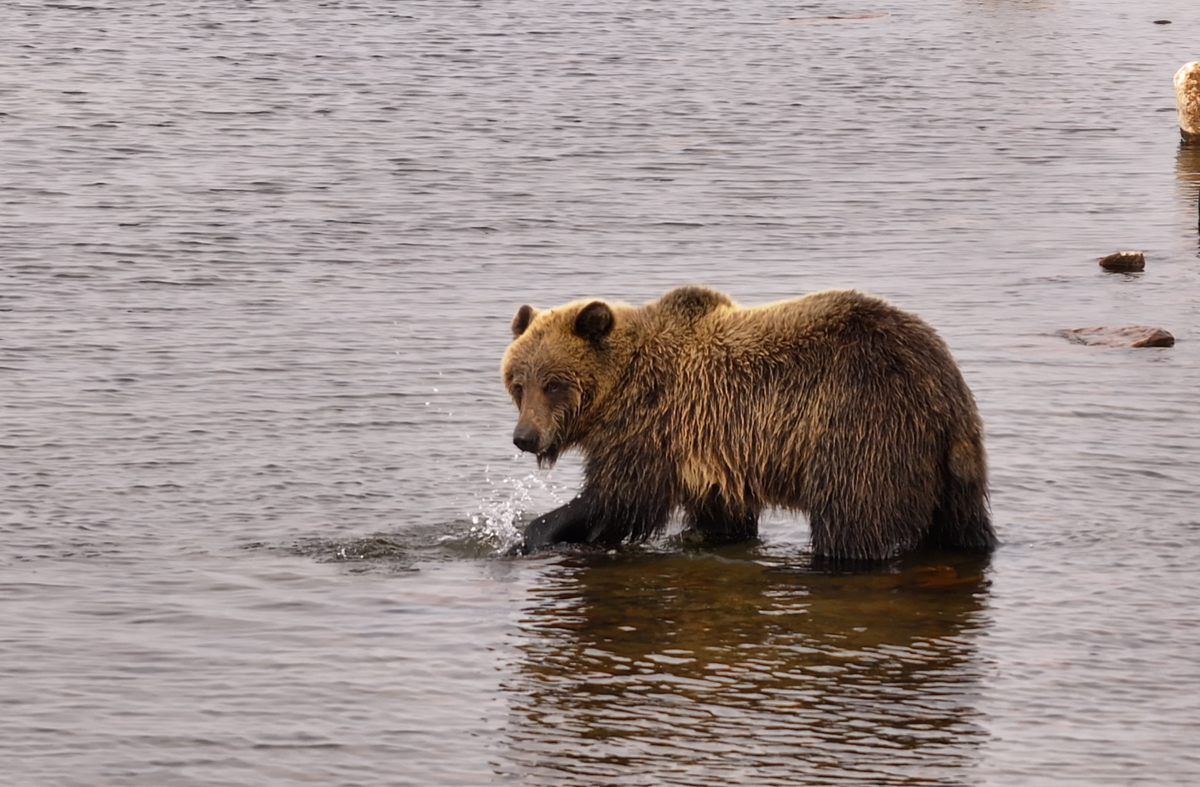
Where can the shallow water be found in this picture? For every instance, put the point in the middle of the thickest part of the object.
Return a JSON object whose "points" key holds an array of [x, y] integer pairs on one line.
{"points": [[257, 267]]}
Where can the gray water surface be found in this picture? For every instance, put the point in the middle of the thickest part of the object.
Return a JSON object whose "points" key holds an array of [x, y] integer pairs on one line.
{"points": [[257, 267]]}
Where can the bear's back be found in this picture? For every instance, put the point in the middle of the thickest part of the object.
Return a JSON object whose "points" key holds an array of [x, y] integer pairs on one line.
{"points": [[824, 322]]}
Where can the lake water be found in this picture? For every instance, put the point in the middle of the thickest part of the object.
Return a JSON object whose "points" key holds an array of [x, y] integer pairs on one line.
{"points": [[257, 267]]}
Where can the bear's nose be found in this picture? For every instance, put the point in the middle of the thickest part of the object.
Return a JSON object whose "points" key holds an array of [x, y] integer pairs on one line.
{"points": [[526, 439]]}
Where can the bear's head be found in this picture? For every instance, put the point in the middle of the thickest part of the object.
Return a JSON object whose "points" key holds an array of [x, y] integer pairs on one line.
{"points": [[558, 367]]}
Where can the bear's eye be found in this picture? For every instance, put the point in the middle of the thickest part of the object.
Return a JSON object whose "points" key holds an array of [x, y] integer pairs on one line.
{"points": [[516, 393], [555, 388]]}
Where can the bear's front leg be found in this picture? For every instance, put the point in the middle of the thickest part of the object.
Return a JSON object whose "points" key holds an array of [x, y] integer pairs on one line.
{"points": [[569, 523], [720, 521]]}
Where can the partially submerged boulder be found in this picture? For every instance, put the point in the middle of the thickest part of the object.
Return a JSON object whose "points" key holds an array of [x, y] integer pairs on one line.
{"points": [[1124, 262], [1187, 100], [1127, 336]]}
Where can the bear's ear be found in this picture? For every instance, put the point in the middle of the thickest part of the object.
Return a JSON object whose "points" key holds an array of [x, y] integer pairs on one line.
{"points": [[521, 321], [594, 321]]}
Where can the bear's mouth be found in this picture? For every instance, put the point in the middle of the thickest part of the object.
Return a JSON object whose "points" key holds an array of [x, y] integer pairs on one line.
{"points": [[547, 458]]}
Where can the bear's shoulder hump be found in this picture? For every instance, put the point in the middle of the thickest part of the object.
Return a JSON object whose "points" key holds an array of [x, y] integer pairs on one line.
{"points": [[693, 302]]}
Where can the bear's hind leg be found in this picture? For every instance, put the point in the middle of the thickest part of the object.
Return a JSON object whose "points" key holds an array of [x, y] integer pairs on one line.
{"points": [[961, 521], [721, 522]]}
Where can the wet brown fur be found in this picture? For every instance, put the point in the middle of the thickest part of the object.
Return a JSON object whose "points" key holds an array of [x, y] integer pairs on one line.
{"points": [[835, 404]]}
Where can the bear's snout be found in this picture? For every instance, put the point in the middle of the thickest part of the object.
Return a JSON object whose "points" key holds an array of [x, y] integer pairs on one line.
{"points": [[526, 438]]}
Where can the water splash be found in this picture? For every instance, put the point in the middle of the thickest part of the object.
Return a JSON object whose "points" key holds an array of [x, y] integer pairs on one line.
{"points": [[500, 524]]}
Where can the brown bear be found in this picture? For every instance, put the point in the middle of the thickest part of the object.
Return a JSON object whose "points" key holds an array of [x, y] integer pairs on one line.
{"points": [[836, 404]]}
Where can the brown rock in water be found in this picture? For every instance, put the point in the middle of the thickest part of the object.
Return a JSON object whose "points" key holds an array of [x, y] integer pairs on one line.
{"points": [[1187, 100], [1127, 336], [1124, 261], [812, 20]]}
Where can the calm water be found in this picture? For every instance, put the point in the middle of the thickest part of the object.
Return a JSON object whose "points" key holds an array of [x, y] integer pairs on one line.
{"points": [[257, 265]]}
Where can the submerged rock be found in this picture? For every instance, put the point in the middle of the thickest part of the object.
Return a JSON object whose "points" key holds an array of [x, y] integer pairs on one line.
{"points": [[1124, 261], [811, 20], [1127, 336], [1187, 100]]}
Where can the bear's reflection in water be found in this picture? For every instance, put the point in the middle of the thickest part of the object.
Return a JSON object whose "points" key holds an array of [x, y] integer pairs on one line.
{"points": [[727, 667]]}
